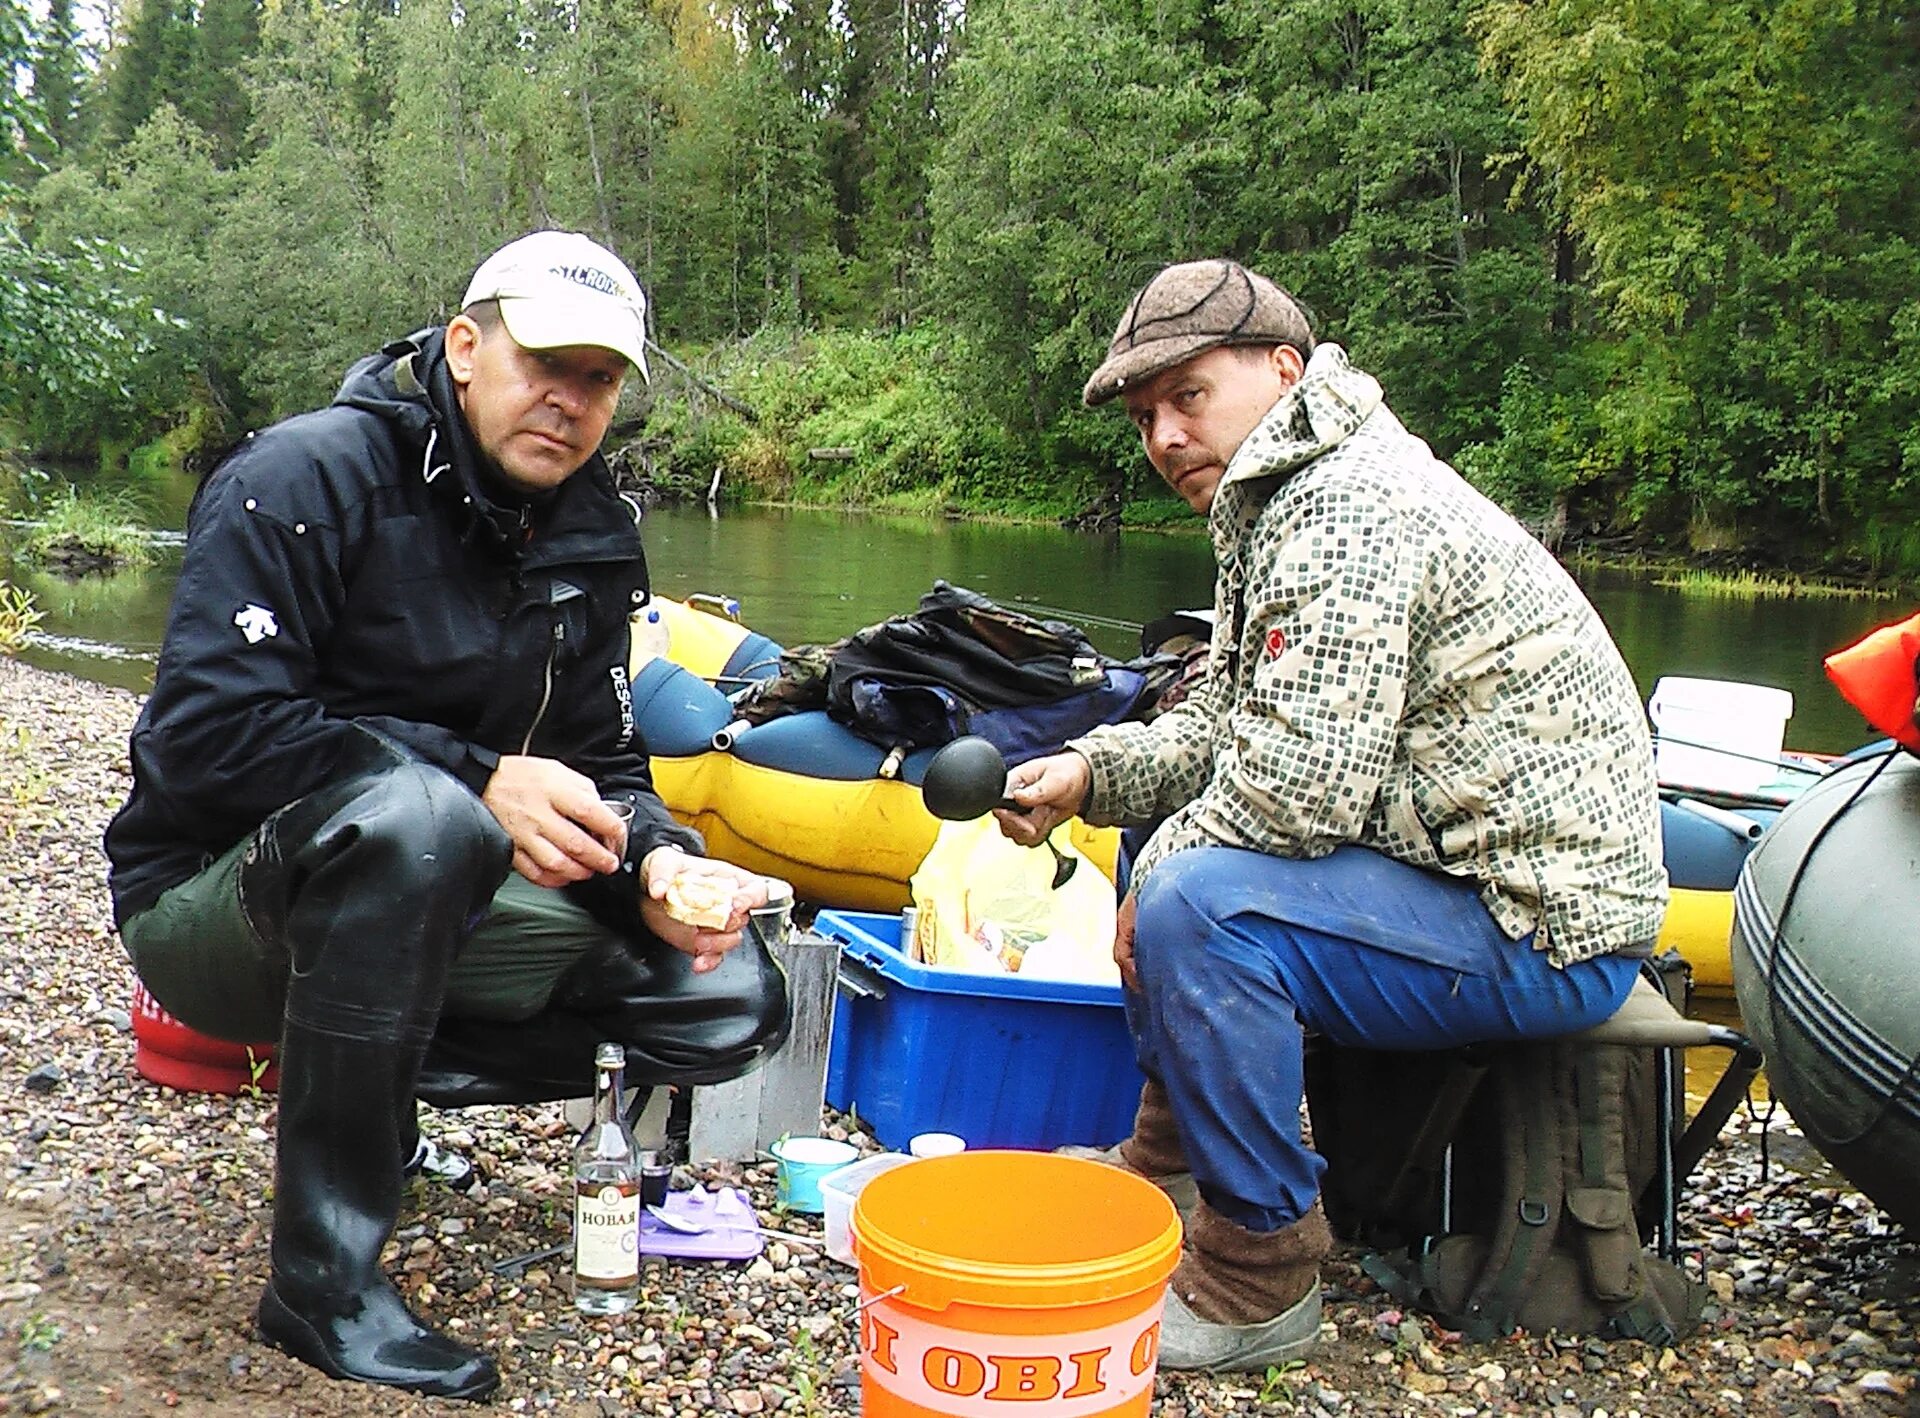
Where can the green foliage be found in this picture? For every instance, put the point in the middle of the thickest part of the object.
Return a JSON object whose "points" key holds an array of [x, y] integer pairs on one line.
{"points": [[1650, 267], [1757, 586], [39, 1333], [883, 399], [808, 1375], [20, 118], [1546, 440], [1085, 149], [59, 72], [226, 36], [1743, 188], [1091, 145], [76, 335], [1277, 1384], [151, 65], [18, 617]]}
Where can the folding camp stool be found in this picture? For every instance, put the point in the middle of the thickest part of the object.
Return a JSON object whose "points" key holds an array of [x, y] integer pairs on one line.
{"points": [[1646, 1019]]}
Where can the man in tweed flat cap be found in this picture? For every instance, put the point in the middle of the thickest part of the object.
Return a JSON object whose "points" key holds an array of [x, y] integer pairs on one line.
{"points": [[1410, 805]]}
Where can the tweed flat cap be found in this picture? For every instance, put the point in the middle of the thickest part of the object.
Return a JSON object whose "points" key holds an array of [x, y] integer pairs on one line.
{"points": [[1190, 308]]}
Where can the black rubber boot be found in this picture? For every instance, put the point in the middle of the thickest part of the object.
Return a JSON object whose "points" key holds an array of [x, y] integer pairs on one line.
{"points": [[372, 885]]}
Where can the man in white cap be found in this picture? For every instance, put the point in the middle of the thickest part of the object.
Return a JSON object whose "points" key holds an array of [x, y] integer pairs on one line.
{"points": [[371, 814], [1410, 805]]}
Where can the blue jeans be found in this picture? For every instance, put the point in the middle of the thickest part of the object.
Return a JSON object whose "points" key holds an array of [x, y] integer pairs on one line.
{"points": [[1241, 954]]}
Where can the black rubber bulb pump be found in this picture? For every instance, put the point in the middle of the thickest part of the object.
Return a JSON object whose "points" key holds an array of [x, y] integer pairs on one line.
{"points": [[967, 779]]}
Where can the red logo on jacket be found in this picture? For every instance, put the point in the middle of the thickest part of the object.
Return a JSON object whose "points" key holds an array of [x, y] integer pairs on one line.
{"points": [[1276, 642]]}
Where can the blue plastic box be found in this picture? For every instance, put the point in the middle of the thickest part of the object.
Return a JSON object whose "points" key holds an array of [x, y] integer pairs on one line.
{"points": [[1002, 1061]]}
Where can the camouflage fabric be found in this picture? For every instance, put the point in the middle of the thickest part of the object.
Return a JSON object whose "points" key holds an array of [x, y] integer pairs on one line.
{"points": [[1397, 663]]}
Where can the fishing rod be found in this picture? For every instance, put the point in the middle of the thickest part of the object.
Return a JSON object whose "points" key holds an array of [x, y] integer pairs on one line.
{"points": [[1106, 622], [1792, 765]]}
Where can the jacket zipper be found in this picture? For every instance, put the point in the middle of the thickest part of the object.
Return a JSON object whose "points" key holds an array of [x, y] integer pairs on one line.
{"points": [[546, 683]]}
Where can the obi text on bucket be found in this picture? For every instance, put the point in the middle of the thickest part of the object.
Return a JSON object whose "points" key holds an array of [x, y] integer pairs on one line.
{"points": [[1088, 1372]]}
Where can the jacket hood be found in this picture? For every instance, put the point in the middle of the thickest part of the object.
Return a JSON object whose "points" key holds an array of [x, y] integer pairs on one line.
{"points": [[390, 384], [1320, 412]]}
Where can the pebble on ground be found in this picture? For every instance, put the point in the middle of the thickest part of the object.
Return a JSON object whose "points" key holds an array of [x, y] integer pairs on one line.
{"points": [[134, 1222]]}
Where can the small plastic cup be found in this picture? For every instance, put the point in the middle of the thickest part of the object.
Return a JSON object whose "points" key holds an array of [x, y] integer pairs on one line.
{"points": [[656, 1176], [936, 1144], [773, 922], [623, 811], [803, 1162]]}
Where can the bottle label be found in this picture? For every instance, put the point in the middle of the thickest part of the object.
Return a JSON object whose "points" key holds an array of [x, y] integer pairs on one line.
{"points": [[606, 1234]]}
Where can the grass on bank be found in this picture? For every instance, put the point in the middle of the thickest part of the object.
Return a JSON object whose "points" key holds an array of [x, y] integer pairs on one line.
{"points": [[1756, 585], [95, 528], [1742, 584]]}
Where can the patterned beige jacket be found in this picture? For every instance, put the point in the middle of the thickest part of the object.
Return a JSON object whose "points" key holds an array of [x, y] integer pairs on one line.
{"points": [[1397, 663]]}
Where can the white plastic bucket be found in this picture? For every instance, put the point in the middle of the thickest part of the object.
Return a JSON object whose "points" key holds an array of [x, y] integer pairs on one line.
{"points": [[1718, 734]]}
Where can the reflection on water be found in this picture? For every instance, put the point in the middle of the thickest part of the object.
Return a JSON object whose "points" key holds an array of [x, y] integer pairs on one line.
{"points": [[104, 628], [1662, 631], [809, 576]]}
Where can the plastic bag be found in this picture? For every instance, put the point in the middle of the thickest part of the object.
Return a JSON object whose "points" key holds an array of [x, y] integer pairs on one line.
{"points": [[988, 904]]}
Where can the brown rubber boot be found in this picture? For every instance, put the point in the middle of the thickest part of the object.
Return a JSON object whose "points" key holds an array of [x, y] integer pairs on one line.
{"points": [[1243, 1299]]}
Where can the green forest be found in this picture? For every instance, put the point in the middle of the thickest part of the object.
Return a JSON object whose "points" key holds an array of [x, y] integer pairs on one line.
{"points": [[1645, 270]]}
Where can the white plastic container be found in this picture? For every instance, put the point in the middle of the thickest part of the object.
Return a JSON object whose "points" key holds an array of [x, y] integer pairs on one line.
{"points": [[1718, 734], [837, 1191]]}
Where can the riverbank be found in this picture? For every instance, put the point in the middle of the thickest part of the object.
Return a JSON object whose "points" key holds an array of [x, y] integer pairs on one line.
{"points": [[135, 1220]]}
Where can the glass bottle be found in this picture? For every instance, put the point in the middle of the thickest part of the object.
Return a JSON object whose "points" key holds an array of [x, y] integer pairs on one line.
{"points": [[606, 1198]]}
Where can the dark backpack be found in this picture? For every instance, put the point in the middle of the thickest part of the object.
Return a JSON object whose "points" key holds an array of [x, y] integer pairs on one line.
{"points": [[1555, 1144], [960, 664]]}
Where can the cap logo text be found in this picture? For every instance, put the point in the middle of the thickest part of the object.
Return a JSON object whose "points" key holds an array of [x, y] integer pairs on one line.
{"points": [[591, 278]]}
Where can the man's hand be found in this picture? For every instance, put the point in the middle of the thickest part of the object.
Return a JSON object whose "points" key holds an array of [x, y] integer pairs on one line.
{"points": [[1049, 791], [559, 826], [661, 867], [1123, 944]]}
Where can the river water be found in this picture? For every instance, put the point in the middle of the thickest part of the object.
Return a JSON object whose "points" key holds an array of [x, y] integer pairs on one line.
{"points": [[804, 575]]}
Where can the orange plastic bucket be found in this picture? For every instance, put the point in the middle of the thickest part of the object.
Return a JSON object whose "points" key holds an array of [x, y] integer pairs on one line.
{"points": [[1011, 1283]]}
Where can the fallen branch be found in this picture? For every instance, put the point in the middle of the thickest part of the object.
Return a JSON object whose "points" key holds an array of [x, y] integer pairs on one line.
{"points": [[726, 400]]}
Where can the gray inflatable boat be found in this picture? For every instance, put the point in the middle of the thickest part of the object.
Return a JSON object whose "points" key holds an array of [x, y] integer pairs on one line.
{"points": [[1826, 968]]}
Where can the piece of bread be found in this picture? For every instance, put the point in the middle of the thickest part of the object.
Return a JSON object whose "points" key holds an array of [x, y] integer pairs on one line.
{"points": [[699, 900]]}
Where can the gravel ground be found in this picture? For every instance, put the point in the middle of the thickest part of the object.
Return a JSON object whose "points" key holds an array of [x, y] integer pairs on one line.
{"points": [[133, 1227]]}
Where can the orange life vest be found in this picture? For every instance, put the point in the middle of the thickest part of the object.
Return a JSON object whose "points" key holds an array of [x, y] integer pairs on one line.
{"points": [[1880, 676]]}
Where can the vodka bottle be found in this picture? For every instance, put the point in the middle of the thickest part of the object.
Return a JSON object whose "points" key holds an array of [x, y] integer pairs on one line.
{"points": [[606, 1198]]}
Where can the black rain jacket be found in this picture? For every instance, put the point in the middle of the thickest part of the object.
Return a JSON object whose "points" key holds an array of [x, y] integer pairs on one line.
{"points": [[351, 569]]}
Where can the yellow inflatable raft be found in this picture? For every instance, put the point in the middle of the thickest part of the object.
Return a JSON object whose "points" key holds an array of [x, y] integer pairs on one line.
{"points": [[800, 797]]}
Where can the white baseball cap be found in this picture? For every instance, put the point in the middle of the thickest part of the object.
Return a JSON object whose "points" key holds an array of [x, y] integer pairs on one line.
{"points": [[561, 288]]}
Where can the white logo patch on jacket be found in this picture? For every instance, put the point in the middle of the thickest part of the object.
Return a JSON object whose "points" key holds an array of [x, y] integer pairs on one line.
{"points": [[256, 623]]}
